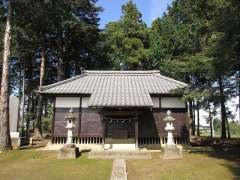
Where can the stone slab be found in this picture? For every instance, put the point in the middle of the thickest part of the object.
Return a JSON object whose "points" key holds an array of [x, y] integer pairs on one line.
{"points": [[13, 113], [119, 154], [68, 153], [172, 152], [15, 142], [120, 147], [119, 170], [15, 139]]}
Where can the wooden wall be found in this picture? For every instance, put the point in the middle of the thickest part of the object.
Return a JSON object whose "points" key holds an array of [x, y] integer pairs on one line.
{"points": [[60, 123], [151, 123], [89, 121]]}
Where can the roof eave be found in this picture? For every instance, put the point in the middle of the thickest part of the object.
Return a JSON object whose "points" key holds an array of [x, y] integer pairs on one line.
{"points": [[94, 106]]}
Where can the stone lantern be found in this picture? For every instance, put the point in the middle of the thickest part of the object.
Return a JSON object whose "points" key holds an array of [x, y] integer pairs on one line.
{"points": [[169, 128], [70, 118], [69, 150], [171, 151]]}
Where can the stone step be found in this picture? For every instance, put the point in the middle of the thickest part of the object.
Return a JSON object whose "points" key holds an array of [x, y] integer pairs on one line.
{"points": [[119, 170], [119, 154]]}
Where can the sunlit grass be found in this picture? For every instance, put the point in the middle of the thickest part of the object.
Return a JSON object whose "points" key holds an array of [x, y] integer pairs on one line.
{"points": [[29, 165], [194, 166]]}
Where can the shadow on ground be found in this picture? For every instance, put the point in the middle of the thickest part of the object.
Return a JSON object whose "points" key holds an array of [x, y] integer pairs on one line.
{"points": [[231, 155]]}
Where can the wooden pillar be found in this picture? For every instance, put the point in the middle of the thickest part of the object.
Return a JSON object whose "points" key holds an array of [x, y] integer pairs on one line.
{"points": [[136, 132], [104, 131], [80, 117], [53, 118]]}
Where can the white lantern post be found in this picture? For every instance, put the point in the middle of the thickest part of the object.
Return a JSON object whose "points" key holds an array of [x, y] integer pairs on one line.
{"points": [[69, 150], [169, 128], [171, 151], [70, 118]]}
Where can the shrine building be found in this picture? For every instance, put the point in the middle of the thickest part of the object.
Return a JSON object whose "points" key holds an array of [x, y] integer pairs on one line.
{"points": [[116, 109]]}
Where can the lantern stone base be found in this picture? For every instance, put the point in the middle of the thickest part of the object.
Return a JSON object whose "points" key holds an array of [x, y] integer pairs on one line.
{"points": [[68, 152], [72, 145], [172, 152]]}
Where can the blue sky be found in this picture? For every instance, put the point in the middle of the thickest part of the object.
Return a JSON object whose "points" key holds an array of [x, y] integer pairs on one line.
{"points": [[150, 9]]}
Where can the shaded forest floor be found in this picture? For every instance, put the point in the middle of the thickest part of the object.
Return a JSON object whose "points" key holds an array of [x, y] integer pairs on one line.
{"points": [[30, 164], [200, 164]]}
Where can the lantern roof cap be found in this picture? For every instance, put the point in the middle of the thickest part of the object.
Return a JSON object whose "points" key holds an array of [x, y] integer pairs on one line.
{"points": [[70, 115], [169, 117]]}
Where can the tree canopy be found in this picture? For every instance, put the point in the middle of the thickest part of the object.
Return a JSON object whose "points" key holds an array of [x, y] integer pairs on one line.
{"points": [[128, 40]]}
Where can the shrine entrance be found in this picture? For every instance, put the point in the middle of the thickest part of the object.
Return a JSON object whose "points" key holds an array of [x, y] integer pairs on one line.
{"points": [[120, 130]]}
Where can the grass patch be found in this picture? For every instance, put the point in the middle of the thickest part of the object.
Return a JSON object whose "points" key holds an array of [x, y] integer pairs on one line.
{"points": [[202, 165], [29, 164]]}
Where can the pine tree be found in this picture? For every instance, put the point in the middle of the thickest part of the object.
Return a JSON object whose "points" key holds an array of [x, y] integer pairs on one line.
{"points": [[5, 141], [128, 39]]}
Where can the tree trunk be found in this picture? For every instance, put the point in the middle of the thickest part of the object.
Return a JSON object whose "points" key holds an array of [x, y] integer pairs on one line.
{"points": [[46, 108], [198, 120], [228, 129], [191, 116], [60, 70], [210, 119], [5, 140], [28, 117], [194, 117], [33, 111], [22, 108], [40, 98], [61, 65], [20, 95], [238, 95], [223, 108]]}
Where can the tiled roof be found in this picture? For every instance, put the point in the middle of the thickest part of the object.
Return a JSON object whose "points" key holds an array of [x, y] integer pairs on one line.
{"points": [[116, 88]]}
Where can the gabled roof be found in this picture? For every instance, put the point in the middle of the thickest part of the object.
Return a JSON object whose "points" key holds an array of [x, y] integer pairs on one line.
{"points": [[116, 88]]}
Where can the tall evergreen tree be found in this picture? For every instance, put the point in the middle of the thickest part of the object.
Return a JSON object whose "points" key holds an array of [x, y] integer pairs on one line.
{"points": [[196, 42], [5, 141], [128, 39], [52, 32]]}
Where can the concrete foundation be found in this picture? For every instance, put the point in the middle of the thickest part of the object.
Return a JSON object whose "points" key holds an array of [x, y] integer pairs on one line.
{"points": [[15, 140], [68, 153], [119, 147], [82, 147], [172, 152]]}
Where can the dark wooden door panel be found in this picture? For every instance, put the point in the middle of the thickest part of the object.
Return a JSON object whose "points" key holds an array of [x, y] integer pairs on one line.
{"points": [[120, 134]]}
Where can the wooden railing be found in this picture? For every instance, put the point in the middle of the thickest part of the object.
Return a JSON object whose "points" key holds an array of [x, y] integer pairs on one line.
{"points": [[161, 140], [99, 140], [78, 140]]}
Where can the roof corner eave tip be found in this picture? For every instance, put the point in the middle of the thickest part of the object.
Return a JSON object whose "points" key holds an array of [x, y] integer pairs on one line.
{"points": [[37, 91], [156, 71]]}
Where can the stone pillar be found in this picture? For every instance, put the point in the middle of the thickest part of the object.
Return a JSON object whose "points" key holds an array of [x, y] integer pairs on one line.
{"points": [[69, 150], [169, 128], [13, 121], [171, 151]]}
